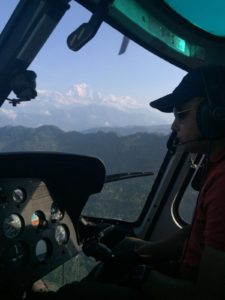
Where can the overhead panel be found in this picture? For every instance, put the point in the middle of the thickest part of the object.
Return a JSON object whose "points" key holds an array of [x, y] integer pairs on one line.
{"points": [[206, 15], [142, 24]]}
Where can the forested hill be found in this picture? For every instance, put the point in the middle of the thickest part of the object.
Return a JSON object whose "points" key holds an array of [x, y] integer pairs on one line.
{"points": [[135, 152]]}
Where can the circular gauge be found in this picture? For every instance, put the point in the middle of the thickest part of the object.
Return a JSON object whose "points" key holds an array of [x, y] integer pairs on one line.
{"points": [[56, 214], [61, 234], [17, 253], [38, 219], [19, 195], [13, 226], [42, 250]]}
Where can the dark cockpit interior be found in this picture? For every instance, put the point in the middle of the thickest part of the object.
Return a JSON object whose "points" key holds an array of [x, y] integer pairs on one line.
{"points": [[41, 198]]}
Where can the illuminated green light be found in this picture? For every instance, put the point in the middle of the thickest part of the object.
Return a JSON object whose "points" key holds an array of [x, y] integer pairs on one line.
{"points": [[145, 26], [181, 45]]}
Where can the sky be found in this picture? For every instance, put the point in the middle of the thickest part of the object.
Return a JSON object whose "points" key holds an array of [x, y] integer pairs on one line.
{"points": [[94, 86]]}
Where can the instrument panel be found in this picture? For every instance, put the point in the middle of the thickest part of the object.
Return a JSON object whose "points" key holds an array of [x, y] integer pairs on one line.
{"points": [[36, 235], [42, 195]]}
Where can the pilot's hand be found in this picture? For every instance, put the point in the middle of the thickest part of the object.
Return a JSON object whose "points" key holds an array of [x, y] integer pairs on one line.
{"points": [[118, 269], [39, 286]]}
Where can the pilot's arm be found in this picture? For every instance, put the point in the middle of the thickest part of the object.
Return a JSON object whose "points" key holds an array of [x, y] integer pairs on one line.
{"points": [[171, 247], [157, 251], [210, 283]]}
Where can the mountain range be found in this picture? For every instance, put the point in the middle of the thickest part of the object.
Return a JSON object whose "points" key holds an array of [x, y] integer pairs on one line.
{"points": [[128, 130], [140, 151]]}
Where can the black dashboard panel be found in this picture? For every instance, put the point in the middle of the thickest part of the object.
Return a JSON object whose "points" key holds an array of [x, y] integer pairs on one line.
{"points": [[41, 198]]}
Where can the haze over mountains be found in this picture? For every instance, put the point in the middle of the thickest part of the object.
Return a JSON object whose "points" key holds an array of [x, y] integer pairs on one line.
{"points": [[88, 122], [128, 130], [81, 108]]}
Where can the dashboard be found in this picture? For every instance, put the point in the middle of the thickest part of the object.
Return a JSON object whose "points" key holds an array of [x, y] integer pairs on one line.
{"points": [[41, 199]]}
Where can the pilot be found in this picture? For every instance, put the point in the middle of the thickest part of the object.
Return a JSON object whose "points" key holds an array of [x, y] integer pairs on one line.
{"points": [[198, 104]]}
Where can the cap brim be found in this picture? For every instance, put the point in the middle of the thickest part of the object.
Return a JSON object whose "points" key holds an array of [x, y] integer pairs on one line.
{"points": [[164, 104]]}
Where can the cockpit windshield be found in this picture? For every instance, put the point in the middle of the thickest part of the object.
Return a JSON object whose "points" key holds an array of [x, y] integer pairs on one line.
{"points": [[93, 102], [96, 102]]}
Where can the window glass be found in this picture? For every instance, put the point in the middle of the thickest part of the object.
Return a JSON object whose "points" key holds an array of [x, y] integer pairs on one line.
{"points": [[73, 270], [121, 200], [187, 205], [207, 15], [125, 199], [8, 8]]}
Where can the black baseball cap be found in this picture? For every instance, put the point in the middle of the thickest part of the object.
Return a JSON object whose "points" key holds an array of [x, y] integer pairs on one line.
{"points": [[192, 85]]}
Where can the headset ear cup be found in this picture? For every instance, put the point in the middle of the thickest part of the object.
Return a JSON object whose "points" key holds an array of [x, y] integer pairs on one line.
{"points": [[203, 120], [211, 112], [209, 127]]}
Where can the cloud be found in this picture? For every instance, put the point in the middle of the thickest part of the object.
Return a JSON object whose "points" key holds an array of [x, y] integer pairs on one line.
{"points": [[45, 112], [81, 107], [9, 113], [82, 90], [82, 95], [121, 102], [78, 95]]}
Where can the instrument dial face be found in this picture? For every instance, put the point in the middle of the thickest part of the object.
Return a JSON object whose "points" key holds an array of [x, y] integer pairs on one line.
{"points": [[56, 214], [19, 195], [61, 234], [13, 226], [38, 219], [42, 250]]}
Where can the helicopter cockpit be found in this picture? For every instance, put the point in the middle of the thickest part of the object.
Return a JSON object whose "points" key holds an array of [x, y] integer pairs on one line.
{"points": [[43, 221]]}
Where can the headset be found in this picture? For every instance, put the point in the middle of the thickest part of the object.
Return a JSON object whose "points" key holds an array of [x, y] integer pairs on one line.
{"points": [[211, 111]]}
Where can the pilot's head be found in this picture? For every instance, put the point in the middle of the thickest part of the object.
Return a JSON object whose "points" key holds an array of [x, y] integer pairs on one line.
{"points": [[198, 104]]}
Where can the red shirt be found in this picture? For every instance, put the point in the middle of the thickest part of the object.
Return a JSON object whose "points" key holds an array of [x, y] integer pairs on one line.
{"points": [[209, 220]]}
